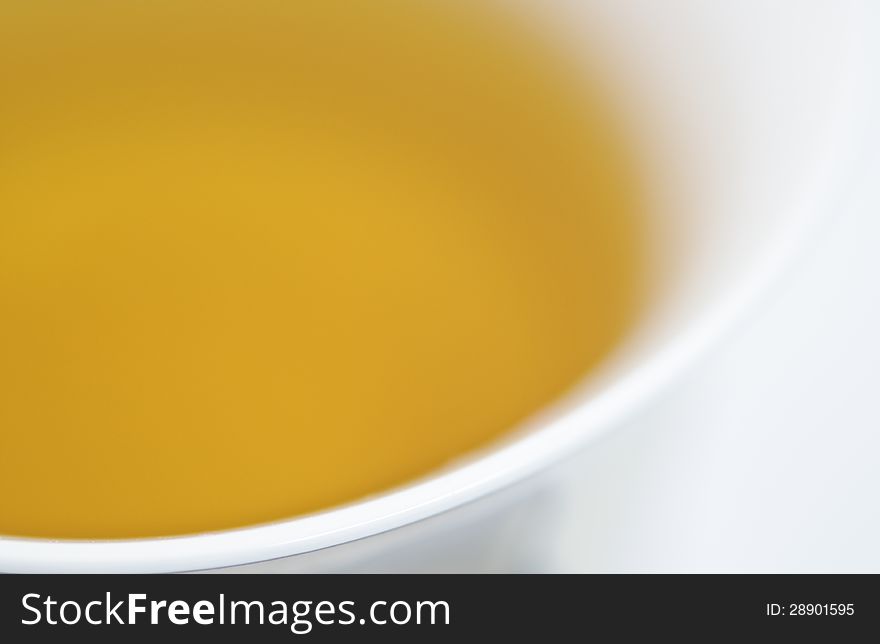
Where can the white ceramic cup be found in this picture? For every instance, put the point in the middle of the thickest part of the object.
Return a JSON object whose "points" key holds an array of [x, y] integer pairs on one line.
{"points": [[744, 115]]}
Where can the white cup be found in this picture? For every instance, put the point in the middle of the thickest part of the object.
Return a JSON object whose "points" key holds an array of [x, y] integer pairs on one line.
{"points": [[744, 115]]}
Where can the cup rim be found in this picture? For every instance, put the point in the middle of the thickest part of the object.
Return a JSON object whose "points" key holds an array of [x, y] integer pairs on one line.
{"points": [[572, 423]]}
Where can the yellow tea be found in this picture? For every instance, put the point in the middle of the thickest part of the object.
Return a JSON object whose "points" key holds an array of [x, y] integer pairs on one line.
{"points": [[262, 258]]}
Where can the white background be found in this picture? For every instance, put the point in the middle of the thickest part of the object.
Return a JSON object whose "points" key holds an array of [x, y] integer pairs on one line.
{"points": [[766, 458]]}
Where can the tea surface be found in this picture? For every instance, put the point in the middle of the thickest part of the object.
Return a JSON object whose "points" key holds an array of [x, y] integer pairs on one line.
{"points": [[262, 258]]}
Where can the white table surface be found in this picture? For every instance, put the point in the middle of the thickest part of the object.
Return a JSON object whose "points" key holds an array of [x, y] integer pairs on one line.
{"points": [[766, 458]]}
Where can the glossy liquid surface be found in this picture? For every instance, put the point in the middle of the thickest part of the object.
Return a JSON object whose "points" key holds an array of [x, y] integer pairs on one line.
{"points": [[261, 258]]}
